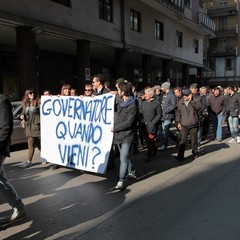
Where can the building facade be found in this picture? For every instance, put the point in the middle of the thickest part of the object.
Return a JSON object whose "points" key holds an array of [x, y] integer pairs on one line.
{"points": [[221, 53], [44, 44]]}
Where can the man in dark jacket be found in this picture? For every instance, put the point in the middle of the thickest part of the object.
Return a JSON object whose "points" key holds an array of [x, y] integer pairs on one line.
{"points": [[203, 100], [233, 109], [98, 85], [216, 106], [151, 112], [6, 189], [187, 120], [124, 129], [168, 114]]}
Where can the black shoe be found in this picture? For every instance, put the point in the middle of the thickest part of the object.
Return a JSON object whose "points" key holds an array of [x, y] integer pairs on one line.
{"points": [[195, 155], [54, 167], [18, 214]]}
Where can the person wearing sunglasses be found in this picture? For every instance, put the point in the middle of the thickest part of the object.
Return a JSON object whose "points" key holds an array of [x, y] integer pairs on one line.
{"points": [[98, 85], [88, 90]]}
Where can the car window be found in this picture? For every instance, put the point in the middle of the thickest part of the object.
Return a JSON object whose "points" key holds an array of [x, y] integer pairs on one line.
{"points": [[14, 107]]}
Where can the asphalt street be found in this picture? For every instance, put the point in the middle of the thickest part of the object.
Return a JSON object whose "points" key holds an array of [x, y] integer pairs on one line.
{"points": [[192, 200]]}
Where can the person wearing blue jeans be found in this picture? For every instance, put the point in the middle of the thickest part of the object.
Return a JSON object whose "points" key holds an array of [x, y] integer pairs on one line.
{"points": [[6, 189], [169, 103], [217, 126], [124, 129], [166, 133], [233, 125], [233, 110], [217, 109], [125, 161]]}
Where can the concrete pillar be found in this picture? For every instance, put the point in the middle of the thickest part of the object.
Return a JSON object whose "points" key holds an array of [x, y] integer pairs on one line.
{"points": [[185, 75], [147, 69], [1, 74], [166, 70], [83, 64], [120, 63], [26, 60], [199, 80]]}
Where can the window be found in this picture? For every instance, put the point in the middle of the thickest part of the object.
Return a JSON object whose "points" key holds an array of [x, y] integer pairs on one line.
{"points": [[211, 64], [177, 2], [63, 2], [223, 3], [188, 3], [159, 30], [106, 10], [222, 23], [229, 64], [195, 46], [135, 20], [179, 39]]}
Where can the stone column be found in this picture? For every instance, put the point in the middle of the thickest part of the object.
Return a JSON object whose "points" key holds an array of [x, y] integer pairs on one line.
{"points": [[83, 64], [166, 68], [185, 75], [147, 69], [1, 74], [26, 60], [120, 63]]}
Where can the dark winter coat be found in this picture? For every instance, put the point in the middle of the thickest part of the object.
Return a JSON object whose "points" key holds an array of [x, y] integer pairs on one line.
{"points": [[6, 125], [203, 100], [168, 105], [32, 118], [102, 91], [233, 105], [217, 104], [187, 116], [125, 122], [151, 112]]}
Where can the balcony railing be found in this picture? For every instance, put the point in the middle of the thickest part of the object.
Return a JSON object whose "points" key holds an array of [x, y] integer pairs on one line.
{"points": [[206, 23], [228, 32], [175, 6], [229, 51], [216, 10]]}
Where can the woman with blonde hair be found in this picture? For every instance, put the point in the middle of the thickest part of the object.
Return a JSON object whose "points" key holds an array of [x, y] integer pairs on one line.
{"points": [[65, 90], [31, 116]]}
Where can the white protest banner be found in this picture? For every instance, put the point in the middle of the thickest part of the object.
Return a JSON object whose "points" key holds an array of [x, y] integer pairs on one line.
{"points": [[76, 132]]}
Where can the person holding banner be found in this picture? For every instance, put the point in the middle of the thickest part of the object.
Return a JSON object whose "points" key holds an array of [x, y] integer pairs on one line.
{"points": [[124, 128], [31, 115], [65, 91], [88, 90], [98, 86]]}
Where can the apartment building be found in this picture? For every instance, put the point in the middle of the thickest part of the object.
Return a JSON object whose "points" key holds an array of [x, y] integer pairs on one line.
{"points": [[44, 44], [221, 54]]}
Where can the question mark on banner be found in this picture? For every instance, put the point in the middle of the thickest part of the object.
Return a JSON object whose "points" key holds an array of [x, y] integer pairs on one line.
{"points": [[98, 153]]}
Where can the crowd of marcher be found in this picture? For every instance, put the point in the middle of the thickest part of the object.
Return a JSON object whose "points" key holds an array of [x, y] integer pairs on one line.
{"points": [[141, 120]]}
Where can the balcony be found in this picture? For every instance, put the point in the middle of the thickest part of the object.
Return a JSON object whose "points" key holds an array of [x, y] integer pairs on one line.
{"points": [[229, 51], [207, 24], [228, 32], [173, 8], [217, 10]]}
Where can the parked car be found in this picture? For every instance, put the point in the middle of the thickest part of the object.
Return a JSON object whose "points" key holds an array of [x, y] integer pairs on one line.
{"points": [[18, 135]]}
